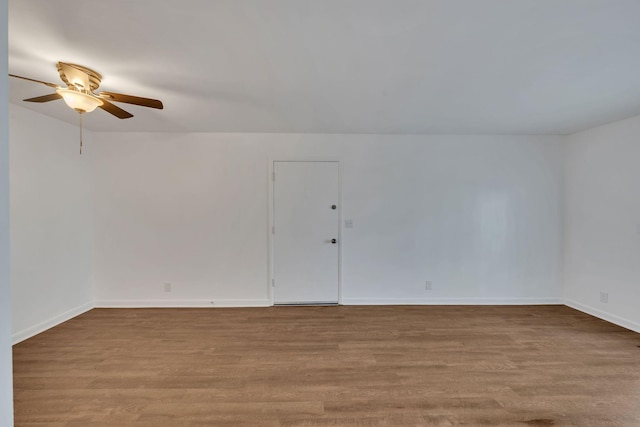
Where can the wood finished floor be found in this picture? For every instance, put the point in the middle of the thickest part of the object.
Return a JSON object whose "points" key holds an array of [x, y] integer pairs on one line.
{"points": [[330, 366]]}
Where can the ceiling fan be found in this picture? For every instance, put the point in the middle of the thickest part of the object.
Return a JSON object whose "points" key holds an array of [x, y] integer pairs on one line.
{"points": [[79, 93]]}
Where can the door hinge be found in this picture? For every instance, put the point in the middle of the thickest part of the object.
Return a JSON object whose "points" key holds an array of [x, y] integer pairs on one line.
{"points": [[273, 230]]}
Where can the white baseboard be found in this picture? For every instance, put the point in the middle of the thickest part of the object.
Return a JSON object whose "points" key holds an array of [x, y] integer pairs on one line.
{"points": [[195, 303], [50, 323], [56, 320], [625, 323], [451, 301]]}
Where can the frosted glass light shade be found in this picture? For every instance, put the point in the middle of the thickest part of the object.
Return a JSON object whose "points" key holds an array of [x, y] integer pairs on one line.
{"points": [[81, 102]]}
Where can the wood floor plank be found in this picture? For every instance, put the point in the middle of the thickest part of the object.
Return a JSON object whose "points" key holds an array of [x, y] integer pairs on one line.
{"points": [[330, 366]]}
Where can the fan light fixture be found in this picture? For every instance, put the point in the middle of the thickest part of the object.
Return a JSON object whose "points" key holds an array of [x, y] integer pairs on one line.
{"points": [[79, 101]]}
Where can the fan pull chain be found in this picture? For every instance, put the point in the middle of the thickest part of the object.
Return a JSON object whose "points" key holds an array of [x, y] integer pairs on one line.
{"points": [[80, 133]]}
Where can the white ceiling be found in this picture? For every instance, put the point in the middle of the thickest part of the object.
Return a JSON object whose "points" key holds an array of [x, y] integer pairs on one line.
{"points": [[339, 66]]}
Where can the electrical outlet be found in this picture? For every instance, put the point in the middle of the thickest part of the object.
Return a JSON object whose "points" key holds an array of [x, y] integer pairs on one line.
{"points": [[604, 297], [167, 287], [427, 285]]}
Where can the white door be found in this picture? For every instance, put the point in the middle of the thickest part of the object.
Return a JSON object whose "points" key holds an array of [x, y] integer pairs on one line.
{"points": [[306, 232]]}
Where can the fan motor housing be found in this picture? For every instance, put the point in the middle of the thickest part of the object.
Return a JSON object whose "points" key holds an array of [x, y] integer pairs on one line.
{"points": [[94, 77]]}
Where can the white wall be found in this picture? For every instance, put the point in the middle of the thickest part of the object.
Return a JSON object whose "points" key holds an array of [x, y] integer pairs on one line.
{"points": [[51, 222], [480, 216], [602, 224], [6, 373]]}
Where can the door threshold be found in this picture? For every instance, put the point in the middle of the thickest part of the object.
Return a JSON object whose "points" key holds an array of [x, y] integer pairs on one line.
{"points": [[306, 304]]}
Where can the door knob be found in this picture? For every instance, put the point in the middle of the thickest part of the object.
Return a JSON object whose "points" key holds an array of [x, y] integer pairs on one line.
{"points": [[333, 241]]}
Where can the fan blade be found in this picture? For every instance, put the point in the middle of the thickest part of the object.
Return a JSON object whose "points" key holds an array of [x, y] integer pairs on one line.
{"points": [[75, 76], [53, 85], [129, 99], [116, 111], [44, 98]]}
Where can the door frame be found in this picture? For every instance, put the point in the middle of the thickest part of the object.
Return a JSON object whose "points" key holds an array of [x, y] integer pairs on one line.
{"points": [[271, 220]]}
